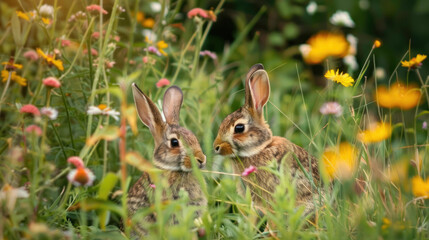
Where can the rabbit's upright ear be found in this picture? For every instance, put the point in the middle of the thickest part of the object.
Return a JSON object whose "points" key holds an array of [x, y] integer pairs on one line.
{"points": [[147, 111], [173, 99], [259, 90], [254, 68]]}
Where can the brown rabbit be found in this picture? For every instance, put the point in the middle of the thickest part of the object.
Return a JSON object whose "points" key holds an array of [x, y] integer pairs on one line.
{"points": [[247, 139], [173, 144]]}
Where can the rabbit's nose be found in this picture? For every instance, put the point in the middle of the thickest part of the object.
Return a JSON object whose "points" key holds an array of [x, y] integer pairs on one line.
{"points": [[217, 149], [201, 158]]}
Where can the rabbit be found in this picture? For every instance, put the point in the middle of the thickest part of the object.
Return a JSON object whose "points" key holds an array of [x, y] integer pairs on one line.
{"points": [[173, 144], [245, 137]]}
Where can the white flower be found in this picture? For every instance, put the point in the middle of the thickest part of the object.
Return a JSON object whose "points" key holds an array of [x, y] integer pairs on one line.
{"points": [[81, 177], [304, 49], [380, 73], [155, 7], [11, 194], [342, 18], [46, 10], [51, 113], [353, 41], [331, 108], [350, 61], [149, 34], [311, 8], [102, 109]]}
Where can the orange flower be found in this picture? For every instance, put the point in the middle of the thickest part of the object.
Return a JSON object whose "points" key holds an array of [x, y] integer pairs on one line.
{"points": [[415, 62], [398, 96], [145, 22], [323, 45], [377, 44], [51, 60], [376, 133], [340, 162], [420, 187]]}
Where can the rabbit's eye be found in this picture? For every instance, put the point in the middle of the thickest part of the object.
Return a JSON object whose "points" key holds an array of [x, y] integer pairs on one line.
{"points": [[174, 142], [239, 128]]}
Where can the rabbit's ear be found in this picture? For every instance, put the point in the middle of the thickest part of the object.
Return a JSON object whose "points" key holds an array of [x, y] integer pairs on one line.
{"points": [[147, 111], [253, 69], [259, 88], [173, 99]]}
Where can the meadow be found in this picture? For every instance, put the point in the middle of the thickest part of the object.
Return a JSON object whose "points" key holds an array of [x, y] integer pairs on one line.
{"points": [[72, 143]]}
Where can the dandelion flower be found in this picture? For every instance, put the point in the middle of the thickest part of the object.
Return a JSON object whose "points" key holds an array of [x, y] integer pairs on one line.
{"points": [[376, 133], [102, 109], [50, 112], [161, 46], [343, 78], [420, 187], [415, 62], [96, 8], [51, 82], [34, 129], [50, 60], [162, 83], [340, 162], [326, 44], [331, 108], [198, 12], [248, 171], [342, 18], [398, 96], [31, 109]]}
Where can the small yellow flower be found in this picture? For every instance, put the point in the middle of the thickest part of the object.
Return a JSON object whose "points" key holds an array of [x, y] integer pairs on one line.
{"points": [[415, 62], [14, 77], [397, 173], [377, 44], [26, 16], [420, 187], [340, 162], [161, 46], [376, 133], [343, 78], [398, 96], [145, 22], [46, 21], [326, 44], [13, 65], [51, 60]]}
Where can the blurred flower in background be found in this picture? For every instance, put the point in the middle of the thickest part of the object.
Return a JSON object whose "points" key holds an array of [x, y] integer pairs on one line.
{"points": [[331, 108], [377, 132], [398, 95], [414, 62], [340, 161], [342, 18], [323, 45]]}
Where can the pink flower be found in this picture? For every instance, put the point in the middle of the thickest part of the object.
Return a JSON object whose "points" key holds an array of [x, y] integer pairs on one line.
{"points": [[93, 52], [202, 13], [30, 108], [211, 55], [117, 38], [153, 49], [248, 171], [96, 8], [110, 64], [31, 55], [331, 108], [162, 82], [65, 42], [152, 186], [51, 82], [34, 129], [425, 125], [95, 35], [150, 60], [76, 161]]}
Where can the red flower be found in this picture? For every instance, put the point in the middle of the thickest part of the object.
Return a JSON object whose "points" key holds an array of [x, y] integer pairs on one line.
{"points": [[96, 8], [30, 108], [207, 14], [162, 82], [65, 42], [76, 161], [51, 82]]}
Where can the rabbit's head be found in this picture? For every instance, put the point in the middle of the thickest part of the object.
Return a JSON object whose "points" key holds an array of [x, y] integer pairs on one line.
{"points": [[244, 132], [175, 146]]}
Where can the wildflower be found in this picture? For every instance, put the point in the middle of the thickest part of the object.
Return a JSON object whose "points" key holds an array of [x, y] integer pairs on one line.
{"points": [[31, 55], [65, 42], [50, 112], [31, 109], [152, 186], [398, 96], [121, 9], [93, 52], [331, 108], [46, 10], [77, 16], [51, 60], [248, 171], [51, 82], [27, 16], [353, 41], [377, 132], [343, 78], [311, 7], [326, 44], [377, 44], [10, 194], [102, 109], [380, 73], [420, 187], [10, 65], [398, 171], [342, 18], [161, 46], [350, 61], [162, 83], [340, 162], [95, 35], [155, 7], [425, 125], [110, 64], [76, 161], [211, 55], [80, 176], [153, 50], [96, 8], [415, 62], [145, 22], [149, 36], [198, 12], [34, 129], [149, 60], [14, 77]]}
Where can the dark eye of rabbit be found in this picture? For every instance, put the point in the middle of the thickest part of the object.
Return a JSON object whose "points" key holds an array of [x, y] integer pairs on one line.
{"points": [[174, 142], [239, 128]]}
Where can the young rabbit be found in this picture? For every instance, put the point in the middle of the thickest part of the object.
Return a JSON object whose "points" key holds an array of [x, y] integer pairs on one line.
{"points": [[247, 139], [173, 144]]}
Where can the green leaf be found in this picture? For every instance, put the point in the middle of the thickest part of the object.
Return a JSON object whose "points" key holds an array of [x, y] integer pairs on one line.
{"points": [[16, 30], [108, 133], [106, 185], [291, 31], [276, 39]]}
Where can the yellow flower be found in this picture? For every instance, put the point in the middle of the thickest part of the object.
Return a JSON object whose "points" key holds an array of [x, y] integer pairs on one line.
{"points": [[340, 162], [46, 21], [376, 133], [26, 16], [420, 187], [397, 173], [20, 80], [377, 44], [326, 44], [51, 60], [145, 22], [399, 95], [161, 46], [343, 78], [415, 62], [13, 65]]}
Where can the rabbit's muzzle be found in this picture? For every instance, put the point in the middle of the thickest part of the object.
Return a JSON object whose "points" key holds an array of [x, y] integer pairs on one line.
{"points": [[222, 148], [201, 159]]}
